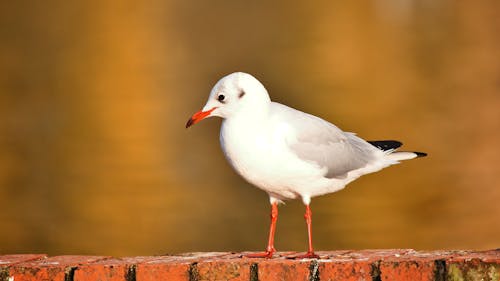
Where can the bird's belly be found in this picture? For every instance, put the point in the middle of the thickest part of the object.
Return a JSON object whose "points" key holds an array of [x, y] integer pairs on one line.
{"points": [[265, 172], [269, 165]]}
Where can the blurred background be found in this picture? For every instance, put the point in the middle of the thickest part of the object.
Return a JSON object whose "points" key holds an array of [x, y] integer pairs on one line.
{"points": [[94, 96]]}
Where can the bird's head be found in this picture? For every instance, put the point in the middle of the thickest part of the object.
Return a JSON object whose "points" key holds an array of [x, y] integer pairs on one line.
{"points": [[236, 93]]}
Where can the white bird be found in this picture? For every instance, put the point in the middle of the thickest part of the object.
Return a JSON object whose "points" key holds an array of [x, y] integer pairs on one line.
{"points": [[288, 153]]}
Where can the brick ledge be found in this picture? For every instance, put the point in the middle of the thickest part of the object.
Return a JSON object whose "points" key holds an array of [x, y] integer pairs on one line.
{"points": [[395, 264]]}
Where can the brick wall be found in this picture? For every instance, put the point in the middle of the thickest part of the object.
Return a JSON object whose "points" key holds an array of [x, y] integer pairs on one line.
{"points": [[371, 265]]}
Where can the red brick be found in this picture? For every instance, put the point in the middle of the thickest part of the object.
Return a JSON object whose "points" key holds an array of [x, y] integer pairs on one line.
{"points": [[163, 271], [102, 272], [331, 254], [171, 268], [229, 267], [110, 269], [483, 265], [423, 270], [53, 268], [491, 256], [412, 266], [351, 265], [337, 265], [345, 270], [378, 254], [283, 269], [361, 265], [7, 260]]}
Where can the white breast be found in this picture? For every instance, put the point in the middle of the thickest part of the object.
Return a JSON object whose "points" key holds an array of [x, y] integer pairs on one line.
{"points": [[259, 153]]}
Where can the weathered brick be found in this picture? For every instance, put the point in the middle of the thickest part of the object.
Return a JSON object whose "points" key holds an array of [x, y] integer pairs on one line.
{"points": [[414, 265], [344, 270], [483, 265], [230, 267], [378, 254], [363, 265], [335, 265], [110, 269], [283, 269], [163, 271], [490, 256], [7, 260], [411, 270], [173, 268], [54, 268], [101, 272], [350, 265]]}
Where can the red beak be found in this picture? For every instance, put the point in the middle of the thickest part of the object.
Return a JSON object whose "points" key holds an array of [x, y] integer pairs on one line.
{"points": [[198, 116]]}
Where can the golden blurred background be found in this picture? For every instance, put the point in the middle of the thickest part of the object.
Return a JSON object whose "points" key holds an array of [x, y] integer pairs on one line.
{"points": [[94, 96]]}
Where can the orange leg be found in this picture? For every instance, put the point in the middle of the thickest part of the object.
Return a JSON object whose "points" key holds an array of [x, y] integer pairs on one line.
{"points": [[310, 252], [272, 229]]}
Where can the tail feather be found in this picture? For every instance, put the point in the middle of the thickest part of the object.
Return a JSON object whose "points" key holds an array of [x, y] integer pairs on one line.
{"points": [[405, 155], [389, 147]]}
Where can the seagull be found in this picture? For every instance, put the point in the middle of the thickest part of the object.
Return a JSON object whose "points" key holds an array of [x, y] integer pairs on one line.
{"points": [[288, 153]]}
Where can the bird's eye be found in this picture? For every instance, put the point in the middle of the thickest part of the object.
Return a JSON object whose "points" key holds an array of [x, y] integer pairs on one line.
{"points": [[221, 98], [242, 93]]}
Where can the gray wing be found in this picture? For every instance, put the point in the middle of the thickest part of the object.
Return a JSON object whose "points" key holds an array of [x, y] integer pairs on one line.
{"points": [[322, 143]]}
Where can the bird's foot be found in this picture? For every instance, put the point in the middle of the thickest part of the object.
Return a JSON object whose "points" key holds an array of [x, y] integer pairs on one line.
{"points": [[308, 255], [267, 254]]}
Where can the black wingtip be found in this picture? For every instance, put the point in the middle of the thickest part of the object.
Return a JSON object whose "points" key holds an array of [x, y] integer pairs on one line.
{"points": [[420, 154], [386, 144]]}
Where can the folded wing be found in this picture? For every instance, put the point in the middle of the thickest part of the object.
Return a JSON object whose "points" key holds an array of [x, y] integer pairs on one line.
{"points": [[322, 143]]}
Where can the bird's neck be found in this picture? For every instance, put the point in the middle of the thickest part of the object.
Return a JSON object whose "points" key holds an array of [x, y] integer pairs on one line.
{"points": [[250, 116], [247, 121]]}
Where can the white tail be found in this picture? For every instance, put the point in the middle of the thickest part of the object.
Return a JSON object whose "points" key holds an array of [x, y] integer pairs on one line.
{"points": [[405, 155]]}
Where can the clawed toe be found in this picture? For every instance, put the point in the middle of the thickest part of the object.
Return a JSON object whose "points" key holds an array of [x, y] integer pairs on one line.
{"points": [[308, 255], [267, 255]]}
